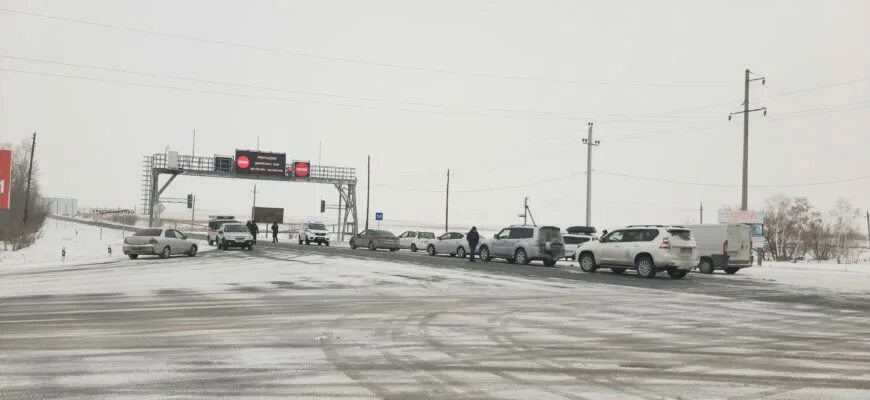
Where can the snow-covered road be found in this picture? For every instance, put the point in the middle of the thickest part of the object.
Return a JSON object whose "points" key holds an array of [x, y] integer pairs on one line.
{"points": [[285, 322]]}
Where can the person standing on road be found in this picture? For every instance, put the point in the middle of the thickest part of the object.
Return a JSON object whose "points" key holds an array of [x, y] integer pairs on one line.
{"points": [[473, 238], [254, 230], [275, 232]]}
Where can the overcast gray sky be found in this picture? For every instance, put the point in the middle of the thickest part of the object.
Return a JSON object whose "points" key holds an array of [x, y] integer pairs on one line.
{"points": [[500, 92]]}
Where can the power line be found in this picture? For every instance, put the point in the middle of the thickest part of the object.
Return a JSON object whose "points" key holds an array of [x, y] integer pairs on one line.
{"points": [[572, 116], [351, 60], [829, 182]]}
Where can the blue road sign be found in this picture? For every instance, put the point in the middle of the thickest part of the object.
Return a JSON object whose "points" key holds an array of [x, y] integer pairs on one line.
{"points": [[379, 216]]}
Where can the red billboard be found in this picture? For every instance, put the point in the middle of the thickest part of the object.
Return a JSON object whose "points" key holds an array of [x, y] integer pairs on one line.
{"points": [[5, 178]]}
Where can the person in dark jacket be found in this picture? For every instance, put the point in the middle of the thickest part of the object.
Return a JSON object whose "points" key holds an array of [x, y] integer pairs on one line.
{"points": [[252, 226], [473, 238], [275, 232]]}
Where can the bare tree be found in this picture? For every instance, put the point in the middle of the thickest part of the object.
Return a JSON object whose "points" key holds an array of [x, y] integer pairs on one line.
{"points": [[843, 218]]}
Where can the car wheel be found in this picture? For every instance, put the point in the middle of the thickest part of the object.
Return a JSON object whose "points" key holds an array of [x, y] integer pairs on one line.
{"points": [[706, 266], [521, 257], [394, 249], [352, 244], [133, 256], [550, 262], [166, 252], [587, 263], [484, 253], [731, 270], [307, 242], [617, 271], [413, 248], [372, 246], [645, 267], [251, 248], [460, 252], [327, 244], [211, 242], [192, 252], [431, 250], [677, 273]]}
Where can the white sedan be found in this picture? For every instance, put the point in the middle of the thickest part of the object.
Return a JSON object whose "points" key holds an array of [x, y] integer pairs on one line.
{"points": [[453, 243], [158, 242]]}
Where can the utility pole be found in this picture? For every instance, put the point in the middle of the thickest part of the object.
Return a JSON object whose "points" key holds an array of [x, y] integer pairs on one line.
{"points": [[527, 212], [868, 228], [447, 205], [368, 187], [589, 143], [192, 213], [745, 112], [254, 206], [702, 213], [29, 178]]}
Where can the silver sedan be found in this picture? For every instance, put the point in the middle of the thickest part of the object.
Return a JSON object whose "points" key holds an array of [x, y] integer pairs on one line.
{"points": [[158, 242]]}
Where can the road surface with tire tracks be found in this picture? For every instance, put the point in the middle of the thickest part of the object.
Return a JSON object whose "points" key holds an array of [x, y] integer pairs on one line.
{"points": [[463, 330]]}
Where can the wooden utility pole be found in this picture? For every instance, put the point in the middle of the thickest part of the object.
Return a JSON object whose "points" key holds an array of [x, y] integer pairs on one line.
{"points": [[447, 205], [589, 143], [702, 213], [29, 178], [744, 195]]}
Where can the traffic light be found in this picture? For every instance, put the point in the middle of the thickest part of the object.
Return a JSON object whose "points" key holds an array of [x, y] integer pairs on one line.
{"points": [[322, 206], [189, 201]]}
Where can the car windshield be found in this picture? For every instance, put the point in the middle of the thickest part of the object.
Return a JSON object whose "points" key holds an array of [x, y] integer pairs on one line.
{"points": [[317, 227], [149, 232], [550, 233], [235, 228], [682, 234]]}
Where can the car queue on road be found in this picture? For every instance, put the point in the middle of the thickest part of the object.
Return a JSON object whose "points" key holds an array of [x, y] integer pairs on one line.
{"points": [[646, 249]]}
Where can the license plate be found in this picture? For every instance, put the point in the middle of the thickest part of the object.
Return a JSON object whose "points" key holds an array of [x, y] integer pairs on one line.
{"points": [[240, 238]]}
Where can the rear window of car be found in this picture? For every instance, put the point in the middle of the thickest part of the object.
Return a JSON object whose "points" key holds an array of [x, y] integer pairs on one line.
{"points": [[236, 228], [382, 233], [317, 227], [550, 234], [521, 233], [149, 232], [575, 239], [682, 234], [215, 225]]}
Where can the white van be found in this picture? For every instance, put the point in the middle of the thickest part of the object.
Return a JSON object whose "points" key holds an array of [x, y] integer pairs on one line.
{"points": [[723, 246]]}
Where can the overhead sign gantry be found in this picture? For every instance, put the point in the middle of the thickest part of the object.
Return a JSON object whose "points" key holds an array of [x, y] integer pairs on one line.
{"points": [[252, 165]]}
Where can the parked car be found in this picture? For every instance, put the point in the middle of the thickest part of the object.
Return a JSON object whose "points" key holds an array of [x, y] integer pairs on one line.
{"points": [[235, 235], [214, 225], [452, 243], [524, 243], [313, 232], [723, 246], [649, 249], [375, 239], [158, 242], [575, 237], [414, 240]]}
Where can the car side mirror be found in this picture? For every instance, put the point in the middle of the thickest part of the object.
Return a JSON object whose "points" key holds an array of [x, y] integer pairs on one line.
{"points": [[495, 236], [220, 231]]}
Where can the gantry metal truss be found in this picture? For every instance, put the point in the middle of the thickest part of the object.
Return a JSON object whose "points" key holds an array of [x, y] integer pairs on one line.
{"points": [[344, 180]]}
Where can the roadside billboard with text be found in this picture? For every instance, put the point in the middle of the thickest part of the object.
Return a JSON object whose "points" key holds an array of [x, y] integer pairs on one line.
{"points": [[5, 178], [755, 219], [259, 163]]}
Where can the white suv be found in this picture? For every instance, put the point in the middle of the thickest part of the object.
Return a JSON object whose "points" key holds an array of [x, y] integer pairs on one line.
{"points": [[413, 240], [314, 232], [524, 243], [649, 249]]}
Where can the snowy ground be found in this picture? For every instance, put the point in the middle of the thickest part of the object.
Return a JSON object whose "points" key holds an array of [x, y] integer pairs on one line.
{"points": [[291, 322]]}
